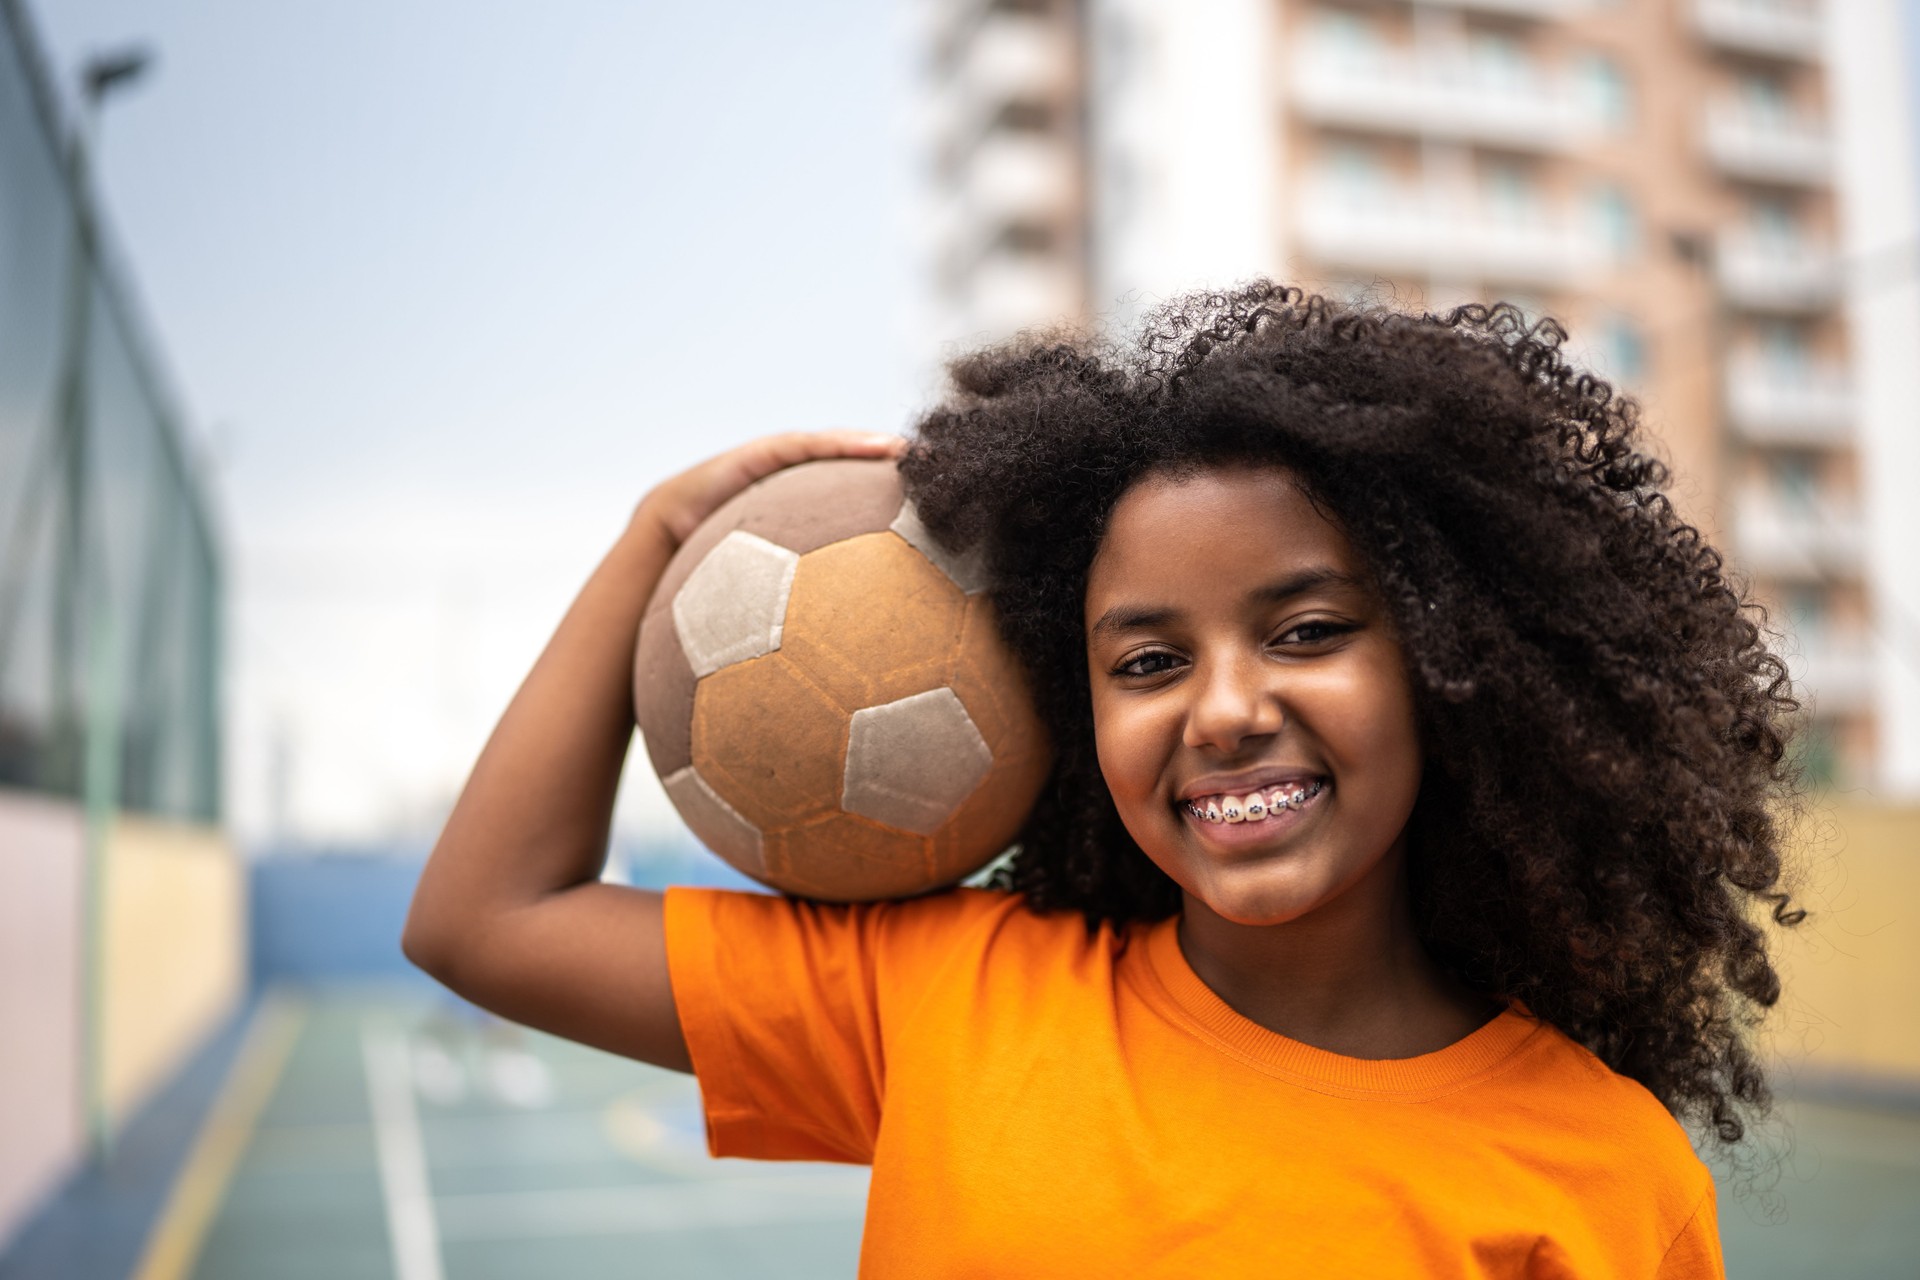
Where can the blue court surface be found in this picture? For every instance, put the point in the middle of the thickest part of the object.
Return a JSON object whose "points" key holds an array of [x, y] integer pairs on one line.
{"points": [[401, 1135]]}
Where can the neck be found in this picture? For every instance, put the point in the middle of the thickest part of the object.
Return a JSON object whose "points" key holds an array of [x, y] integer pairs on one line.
{"points": [[1349, 977]]}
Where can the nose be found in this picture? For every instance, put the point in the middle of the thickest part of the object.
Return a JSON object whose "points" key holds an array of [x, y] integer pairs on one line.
{"points": [[1234, 700]]}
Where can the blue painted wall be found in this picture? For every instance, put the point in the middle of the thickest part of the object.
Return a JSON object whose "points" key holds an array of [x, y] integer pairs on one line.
{"points": [[335, 915]]}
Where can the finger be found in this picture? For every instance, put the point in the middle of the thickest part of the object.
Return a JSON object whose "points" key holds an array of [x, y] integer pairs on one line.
{"points": [[807, 446], [769, 454]]}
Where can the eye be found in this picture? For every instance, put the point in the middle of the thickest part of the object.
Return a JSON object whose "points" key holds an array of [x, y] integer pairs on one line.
{"points": [[1314, 633], [1153, 662]]}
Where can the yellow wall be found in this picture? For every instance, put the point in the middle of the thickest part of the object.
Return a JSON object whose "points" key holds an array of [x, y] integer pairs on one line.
{"points": [[1851, 973], [173, 926]]}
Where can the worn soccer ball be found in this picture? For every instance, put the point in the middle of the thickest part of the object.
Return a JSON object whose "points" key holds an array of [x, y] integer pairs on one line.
{"points": [[825, 696]]}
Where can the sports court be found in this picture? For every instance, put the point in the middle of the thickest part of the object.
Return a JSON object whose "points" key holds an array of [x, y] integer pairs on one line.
{"points": [[379, 1136], [395, 1135]]}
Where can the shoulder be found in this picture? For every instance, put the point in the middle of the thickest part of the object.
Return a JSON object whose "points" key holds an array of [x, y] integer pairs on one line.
{"points": [[1604, 1120], [910, 931], [929, 914]]}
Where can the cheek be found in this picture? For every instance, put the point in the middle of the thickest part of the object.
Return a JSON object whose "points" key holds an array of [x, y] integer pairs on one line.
{"points": [[1129, 749], [1383, 738]]}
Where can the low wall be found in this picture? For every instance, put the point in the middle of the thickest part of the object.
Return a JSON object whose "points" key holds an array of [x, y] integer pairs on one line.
{"points": [[1850, 1009], [42, 1105], [318, 918], [174, 938]]}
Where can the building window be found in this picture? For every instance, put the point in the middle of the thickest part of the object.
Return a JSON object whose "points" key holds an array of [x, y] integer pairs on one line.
{"points": [[1355, 174], [1806, 613], [1615, 224], [1605, 90], [1620, 354], [1772, 223], [1511, 195], [1024, 238], [1814, 752], [1346, 37], [1764, 99], [1499, 63], [1795, 480], [1022, 117], [1784, 351]]}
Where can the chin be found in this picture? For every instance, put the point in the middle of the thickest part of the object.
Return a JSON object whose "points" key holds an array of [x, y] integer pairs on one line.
{"points": [[1250, 895]]}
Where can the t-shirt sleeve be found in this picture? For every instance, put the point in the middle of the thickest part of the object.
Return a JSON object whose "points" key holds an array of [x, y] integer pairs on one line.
{"points": [[787, 1007], [1695, 1252]]}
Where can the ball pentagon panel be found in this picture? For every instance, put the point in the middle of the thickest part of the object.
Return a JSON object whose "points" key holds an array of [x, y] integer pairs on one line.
{"points": [[910, 763], [734, 604]]}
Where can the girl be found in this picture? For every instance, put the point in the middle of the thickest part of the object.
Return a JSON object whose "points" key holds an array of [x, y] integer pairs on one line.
{"points": [[1416, 779]]}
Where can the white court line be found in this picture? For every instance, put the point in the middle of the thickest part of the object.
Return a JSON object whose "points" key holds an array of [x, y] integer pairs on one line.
{"points": [[744, 1201], [411, 1230]]}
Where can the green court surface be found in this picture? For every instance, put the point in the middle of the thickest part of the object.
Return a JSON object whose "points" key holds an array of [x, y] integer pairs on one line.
{"points": [[396, 1137], [410, 1140]]}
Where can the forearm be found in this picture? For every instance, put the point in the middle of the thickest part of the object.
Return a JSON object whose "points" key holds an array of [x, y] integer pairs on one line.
{"points": [[534, 817], [509, 912]]}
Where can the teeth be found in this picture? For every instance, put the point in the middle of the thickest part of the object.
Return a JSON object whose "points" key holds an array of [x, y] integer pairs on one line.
{"points": [[1254, 807]]}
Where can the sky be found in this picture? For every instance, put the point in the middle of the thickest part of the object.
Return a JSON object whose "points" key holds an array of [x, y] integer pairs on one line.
{"points": [[446, 287]]}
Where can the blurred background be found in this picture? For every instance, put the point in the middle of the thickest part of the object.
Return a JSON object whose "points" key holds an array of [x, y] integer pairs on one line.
{"points": [[337, 342]]}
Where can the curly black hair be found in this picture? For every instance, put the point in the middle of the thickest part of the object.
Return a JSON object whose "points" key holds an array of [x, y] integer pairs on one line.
{"points": [[1600, 823]]}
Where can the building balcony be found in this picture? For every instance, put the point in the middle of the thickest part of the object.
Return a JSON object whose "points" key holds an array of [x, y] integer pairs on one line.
{"points": [[1759, 147], [1013, 176], [1540, 10], [1399, 234], [1769, 403], [1768, 28], [1763, 273], [1434, 97], [1835, 673], [1008, 291], [1015, 57], [1798, 540]]}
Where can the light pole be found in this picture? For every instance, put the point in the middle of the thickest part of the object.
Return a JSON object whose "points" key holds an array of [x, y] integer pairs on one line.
{"points": [[99, 77], [85, 749]]}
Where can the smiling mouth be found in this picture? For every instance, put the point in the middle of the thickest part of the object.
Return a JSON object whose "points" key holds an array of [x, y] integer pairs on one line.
{"points": [[1255, 807]]}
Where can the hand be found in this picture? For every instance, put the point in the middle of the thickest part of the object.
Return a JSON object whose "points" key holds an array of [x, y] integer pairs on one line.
{"points": [[676, 507]]}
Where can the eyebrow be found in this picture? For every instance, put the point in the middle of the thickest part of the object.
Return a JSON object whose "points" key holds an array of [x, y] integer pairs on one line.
{"points": [[1125, 617]]}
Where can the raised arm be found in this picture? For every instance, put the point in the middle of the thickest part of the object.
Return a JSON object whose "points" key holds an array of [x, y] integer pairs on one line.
{"points": [[510, 912]]}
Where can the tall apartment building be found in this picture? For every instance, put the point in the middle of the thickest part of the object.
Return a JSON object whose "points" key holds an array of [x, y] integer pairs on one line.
{"points": [[1658, 174]]}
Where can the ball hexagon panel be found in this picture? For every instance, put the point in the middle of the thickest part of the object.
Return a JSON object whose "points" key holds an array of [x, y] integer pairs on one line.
{"points": [[989, 680], [772, 779], [862, 651], [910, 763], [717, 823], [663, 696], [733, 605], [847, 858], [809, 506]]}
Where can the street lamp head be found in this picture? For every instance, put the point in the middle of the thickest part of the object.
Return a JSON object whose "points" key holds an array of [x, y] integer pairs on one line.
{"points": [[102, 73]]}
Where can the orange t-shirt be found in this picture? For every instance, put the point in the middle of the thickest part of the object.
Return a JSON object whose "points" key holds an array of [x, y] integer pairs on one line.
{"points": [[1038, 1103]]}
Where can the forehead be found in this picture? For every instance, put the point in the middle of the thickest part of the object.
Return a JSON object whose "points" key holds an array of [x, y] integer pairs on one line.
{"points": [[1217, 521]]}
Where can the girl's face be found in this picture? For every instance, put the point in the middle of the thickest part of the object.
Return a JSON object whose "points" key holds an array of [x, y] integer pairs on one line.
{"points": [[1239, 660]]}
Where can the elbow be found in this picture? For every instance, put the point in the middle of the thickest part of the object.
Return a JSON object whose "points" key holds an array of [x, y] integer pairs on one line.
{"points": [[427, 946], [418, 946]]}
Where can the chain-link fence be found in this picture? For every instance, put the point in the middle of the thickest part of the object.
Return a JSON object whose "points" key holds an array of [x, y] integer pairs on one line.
{"points": [[110, 575]]}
